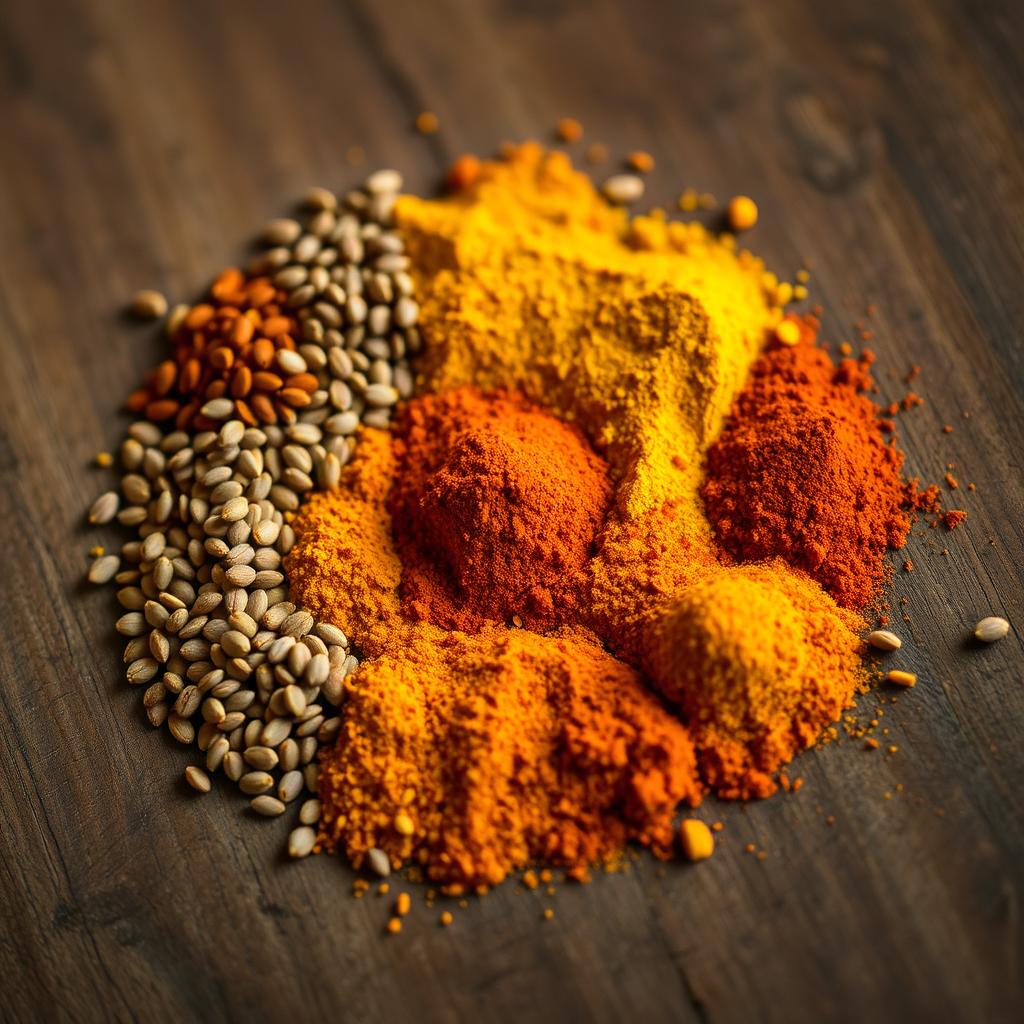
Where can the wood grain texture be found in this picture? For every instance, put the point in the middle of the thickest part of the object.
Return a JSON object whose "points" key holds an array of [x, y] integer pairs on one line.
{"points": [[141, 145]]}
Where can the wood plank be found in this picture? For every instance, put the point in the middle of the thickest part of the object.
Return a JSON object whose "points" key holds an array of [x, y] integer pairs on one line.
{"points": [[142, 145]]}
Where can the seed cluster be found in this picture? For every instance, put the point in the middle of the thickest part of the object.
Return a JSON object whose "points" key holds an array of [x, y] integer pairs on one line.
{"points": [[227, 661], [259, 420], [322, 322]]}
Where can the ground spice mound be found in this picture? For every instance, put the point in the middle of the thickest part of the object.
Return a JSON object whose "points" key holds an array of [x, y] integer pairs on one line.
{"points": [[761, 661], [495, 507], [803, 470], [484, 754]]}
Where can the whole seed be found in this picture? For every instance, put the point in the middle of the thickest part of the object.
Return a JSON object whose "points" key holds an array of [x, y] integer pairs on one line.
{"points": [[254, 783], [883, 640], [301, 841], [290, 786], [197, 779], [104, 569], [377, 861], [148, 305], [309, 812], [623, 189], [267, 806], [991, 629], [104, 508]]}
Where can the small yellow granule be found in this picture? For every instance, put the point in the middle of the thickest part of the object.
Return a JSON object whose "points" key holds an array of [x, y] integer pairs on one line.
{"points": [[898, 678], [742, 213], [696, 838], [788, 332]]}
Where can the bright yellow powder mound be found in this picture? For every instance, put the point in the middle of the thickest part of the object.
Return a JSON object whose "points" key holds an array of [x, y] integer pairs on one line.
{"points": [[752, 654], [640, 331]]}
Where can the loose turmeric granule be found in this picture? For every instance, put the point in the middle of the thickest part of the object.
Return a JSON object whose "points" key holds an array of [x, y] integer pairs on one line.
{"points": [[463, 172], [570, 130], [640, 161], [898, 678], [742, 213], [696, 839], [760, 660]]}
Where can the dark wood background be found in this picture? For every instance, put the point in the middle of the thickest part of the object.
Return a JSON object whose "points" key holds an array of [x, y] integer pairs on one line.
{"points": [[141, 144]]}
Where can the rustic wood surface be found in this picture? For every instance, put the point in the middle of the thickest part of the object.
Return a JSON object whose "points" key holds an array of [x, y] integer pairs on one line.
{"points": [[141, 144]]}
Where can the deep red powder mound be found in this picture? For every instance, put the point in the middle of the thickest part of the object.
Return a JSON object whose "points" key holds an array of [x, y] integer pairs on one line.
{"points": [[495, 507], [803, 471]]}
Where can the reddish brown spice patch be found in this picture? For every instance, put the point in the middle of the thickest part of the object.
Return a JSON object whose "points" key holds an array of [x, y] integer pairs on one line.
{"points": [[953, 518], [495, 507], [802, 470]]}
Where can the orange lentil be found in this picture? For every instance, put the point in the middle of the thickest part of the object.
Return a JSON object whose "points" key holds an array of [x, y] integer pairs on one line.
{"points": [[426, 123], [641, 162], [463, 172], [569, 129]]}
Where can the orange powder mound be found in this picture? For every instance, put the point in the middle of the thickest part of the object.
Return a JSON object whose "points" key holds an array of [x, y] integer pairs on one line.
{"points": [[482, 754], [761, 661], [495, 507], [802, 470]]}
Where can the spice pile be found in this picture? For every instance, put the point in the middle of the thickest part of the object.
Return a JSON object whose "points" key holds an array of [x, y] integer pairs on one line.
{"points": [[611, 555]]}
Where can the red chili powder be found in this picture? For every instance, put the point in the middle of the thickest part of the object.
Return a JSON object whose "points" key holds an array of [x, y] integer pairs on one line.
{"points": [[494, 509], [802, 470]]}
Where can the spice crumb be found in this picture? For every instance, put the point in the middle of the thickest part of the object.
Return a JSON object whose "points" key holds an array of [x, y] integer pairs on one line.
{"points": [[570, 130], [742, 213], [953, 518], [641, 161], [427, 123], [696, 838]]}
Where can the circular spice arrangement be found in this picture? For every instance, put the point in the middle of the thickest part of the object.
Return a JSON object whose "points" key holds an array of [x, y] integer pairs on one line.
{"points": [[491, 530]]}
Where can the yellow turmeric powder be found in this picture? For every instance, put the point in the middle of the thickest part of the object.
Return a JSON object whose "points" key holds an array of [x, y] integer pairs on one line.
{"points": [[761, 660]]}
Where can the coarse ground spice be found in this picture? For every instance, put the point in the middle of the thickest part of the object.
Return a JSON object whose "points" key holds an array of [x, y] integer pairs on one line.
{"points": [[503, 749], [760, 661], [803, 470], [495, 507]]}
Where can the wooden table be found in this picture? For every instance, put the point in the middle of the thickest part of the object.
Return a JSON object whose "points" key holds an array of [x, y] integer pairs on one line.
{"points": [[142, 143]]}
